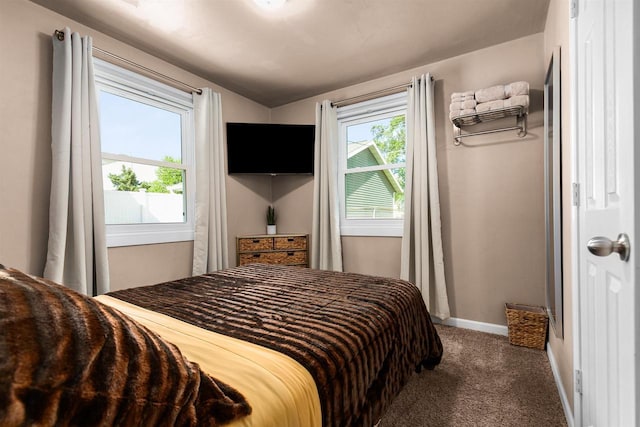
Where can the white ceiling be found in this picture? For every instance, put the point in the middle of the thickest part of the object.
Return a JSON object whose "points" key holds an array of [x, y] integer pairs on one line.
{"points": [[306, 47]]}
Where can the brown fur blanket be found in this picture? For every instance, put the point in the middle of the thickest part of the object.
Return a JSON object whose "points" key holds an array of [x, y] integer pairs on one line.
{"points": [[66, 359], [360, 337]]}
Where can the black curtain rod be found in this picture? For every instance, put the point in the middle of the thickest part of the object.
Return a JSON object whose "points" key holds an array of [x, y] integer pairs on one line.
{"points": [[60, 36]]}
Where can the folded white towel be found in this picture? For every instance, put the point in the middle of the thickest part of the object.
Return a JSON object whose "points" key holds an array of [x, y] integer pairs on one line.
{"points": [[492, 93], [517, 100], [463, 98], [491, 105], [465, 105], [516, 88], [462, 94], [458, 113], [468, 119]]}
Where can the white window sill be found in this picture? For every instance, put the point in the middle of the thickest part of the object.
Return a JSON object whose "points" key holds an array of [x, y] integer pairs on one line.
{"points": [[148, 238], [386, 229]]}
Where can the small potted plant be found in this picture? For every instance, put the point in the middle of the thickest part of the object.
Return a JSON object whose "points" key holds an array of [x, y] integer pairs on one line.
{"points": [[271, 220]]}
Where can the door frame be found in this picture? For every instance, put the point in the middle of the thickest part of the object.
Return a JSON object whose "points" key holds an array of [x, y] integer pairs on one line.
{"points": [[575, 209], [575, 224]]}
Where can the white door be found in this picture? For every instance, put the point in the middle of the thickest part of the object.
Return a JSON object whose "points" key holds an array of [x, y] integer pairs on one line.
{"points": [[608, 295]]}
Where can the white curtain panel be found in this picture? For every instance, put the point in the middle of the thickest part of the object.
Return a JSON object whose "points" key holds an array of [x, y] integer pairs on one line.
{"points": [[422, 227], [210, 247], [326, 248], [77, 250]]}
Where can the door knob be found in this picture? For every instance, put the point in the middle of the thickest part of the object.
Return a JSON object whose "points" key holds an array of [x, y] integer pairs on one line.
{"points": [[601, 246]]}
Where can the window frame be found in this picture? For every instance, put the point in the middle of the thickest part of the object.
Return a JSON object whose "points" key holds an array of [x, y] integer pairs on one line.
{"points": [[378, 108], [128, 84]]}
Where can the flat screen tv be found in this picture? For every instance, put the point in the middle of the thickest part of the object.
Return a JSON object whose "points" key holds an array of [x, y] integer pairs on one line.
{"points": [[274, 149]]}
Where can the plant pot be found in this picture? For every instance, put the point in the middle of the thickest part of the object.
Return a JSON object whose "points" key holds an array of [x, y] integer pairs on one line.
{"points": [[271, 229]]}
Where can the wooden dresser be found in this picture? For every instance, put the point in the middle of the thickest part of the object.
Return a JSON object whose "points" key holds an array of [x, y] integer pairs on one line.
{"points": [[285, 249]]}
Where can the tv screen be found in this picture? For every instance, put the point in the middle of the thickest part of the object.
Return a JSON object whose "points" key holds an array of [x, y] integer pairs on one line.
{"points": [[258, 148]]}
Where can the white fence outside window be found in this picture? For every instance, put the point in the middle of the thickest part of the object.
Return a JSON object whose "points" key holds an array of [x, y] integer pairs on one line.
{"points": [[139, 207]]}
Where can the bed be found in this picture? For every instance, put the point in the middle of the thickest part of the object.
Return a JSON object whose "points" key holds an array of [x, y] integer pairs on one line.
{"points": [[283, 345]]}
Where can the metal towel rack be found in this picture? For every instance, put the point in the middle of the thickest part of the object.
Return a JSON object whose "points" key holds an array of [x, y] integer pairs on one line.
{"points": [[518, 111]]}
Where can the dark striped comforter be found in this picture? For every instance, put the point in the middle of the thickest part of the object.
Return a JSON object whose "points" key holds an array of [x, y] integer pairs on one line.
{"points": [[359, 336]]}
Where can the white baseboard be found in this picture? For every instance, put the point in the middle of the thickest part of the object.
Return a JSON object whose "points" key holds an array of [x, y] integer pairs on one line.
{"points": [[563, 395], [490, 328]]}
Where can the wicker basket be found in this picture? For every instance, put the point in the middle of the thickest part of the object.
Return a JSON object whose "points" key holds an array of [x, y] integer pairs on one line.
{"points": [[527, 325]]}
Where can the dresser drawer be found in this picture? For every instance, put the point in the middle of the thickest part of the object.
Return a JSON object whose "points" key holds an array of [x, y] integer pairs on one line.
{"points": [[293, 257], [292, 242], [246, 244], [257, 257], [284, 257]]}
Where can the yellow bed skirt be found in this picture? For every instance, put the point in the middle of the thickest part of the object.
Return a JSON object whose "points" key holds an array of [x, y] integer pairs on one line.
{"points": [[281, 392]]}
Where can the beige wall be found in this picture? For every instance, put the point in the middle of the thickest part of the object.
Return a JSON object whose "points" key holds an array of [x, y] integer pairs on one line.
{"points": [[557, 34], [25, 138], [491, 188]]}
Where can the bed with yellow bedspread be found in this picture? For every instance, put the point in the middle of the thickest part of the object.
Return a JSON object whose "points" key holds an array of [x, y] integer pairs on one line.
{"points": [[253, 346], [359, 338]]}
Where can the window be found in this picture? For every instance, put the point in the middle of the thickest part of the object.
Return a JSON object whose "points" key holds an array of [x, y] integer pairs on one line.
{"points": [[146, 132], [372, 156]]}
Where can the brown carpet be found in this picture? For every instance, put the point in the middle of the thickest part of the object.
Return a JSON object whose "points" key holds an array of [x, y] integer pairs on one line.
{"points": [[482, 381]]}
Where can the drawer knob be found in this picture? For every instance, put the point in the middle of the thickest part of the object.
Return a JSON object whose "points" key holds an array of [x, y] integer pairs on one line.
{"points": [[290, 239], [256, 255], [290, 253], [256, 241]]}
